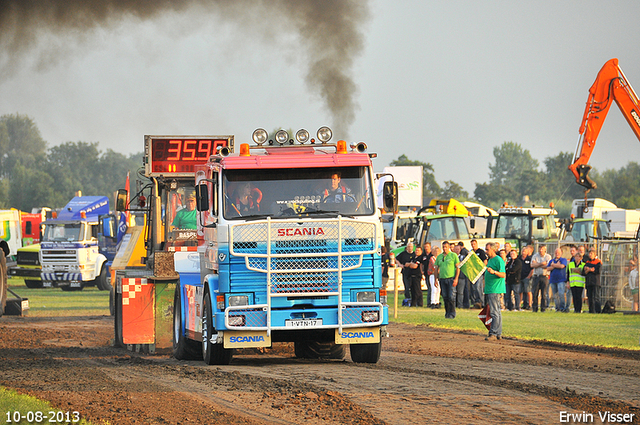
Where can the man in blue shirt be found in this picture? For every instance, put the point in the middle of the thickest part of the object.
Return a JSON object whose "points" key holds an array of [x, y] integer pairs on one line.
{"points": [[558, 280]]}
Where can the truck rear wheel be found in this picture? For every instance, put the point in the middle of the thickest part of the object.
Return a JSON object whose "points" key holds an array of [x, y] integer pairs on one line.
{"points": [[3, 282], [33, 284], [212, 354], [102, 281], [365, 353], [183, 348], [319, 350]]}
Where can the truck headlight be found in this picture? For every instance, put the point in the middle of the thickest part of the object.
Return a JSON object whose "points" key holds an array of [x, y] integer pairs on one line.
{"points": [[366, 297], [238, 300], [370, 316], [236, 321], [282, 137], [260, 136], [302, 136], [324, 134]]}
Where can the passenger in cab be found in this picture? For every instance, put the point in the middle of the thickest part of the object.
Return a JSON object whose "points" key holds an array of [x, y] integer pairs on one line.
{"points": [[245, 200]]}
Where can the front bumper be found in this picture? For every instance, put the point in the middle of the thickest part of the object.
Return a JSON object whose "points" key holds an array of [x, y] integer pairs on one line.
{"points": [[32, 274]]}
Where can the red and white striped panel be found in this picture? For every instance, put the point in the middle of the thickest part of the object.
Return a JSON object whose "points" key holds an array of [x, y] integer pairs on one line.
{"points": [[183, 249]]}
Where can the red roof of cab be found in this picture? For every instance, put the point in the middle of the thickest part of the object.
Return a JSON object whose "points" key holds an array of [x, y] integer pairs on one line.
{"points": [[307, 157]]}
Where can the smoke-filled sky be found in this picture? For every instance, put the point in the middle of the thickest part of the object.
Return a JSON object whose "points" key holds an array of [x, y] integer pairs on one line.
{"points": [[443, 82]]}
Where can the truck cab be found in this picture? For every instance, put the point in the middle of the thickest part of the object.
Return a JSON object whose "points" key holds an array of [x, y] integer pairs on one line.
{"points": [[292, 252], [522, 226], [69, 252], [587, 229]]}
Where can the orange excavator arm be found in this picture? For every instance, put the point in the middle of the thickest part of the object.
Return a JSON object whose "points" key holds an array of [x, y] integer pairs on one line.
{"points": [[610, 84]]}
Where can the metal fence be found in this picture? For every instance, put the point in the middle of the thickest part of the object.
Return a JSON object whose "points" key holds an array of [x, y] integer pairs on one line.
{"points": [[618, 258]]}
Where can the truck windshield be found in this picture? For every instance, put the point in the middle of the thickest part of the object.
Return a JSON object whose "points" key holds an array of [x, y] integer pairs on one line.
{"points": [[63, 232], [297, 192], [584, 230], [446, 228], [513, 226]]}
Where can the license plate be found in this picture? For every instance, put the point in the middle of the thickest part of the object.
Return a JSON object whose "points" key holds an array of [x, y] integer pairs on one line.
{"points": [[303, 323], [75, 284], [47, 284]]}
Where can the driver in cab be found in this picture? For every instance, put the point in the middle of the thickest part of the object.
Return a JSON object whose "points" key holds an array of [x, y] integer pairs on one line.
{"points": [[186, 217], [336, 192]]}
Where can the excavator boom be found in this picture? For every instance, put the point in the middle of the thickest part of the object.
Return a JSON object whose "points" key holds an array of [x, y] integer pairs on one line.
{"points": [[610, 84]]}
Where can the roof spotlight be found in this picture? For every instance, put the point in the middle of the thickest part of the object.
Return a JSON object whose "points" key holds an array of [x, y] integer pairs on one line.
{"points": [[302, 136], [260, 136], [282, 137], [324, 134]]}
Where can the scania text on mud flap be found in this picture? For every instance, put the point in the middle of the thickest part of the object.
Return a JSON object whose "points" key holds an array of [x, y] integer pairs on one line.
{"points": [[291, 252]]}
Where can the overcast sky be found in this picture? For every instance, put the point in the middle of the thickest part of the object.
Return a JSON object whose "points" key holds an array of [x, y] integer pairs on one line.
{"points": [[443, 82]]}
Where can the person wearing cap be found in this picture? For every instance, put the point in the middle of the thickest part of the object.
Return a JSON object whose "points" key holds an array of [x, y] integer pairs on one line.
{"points": [[186, 217]]}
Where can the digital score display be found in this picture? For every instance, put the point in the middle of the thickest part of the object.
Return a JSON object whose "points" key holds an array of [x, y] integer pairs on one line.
{"points": [[179, 155]]}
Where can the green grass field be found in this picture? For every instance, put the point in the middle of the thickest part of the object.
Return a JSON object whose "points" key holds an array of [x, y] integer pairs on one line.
{"points": [[605, 330], [14, 405], [48, 302]]}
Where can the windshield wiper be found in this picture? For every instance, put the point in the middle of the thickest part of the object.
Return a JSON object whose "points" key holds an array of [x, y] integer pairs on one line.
{"points": [[254, 216]]}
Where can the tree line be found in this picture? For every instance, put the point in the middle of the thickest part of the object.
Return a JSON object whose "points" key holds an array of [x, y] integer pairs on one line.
{"points": [[518, 179], [34, 175]]}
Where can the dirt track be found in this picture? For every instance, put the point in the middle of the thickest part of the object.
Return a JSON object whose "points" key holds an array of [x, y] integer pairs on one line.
{"points": [[424, 376]]}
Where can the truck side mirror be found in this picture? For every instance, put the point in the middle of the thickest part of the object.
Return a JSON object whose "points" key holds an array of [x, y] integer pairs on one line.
{"points": [[390, 197], [540, 225], [202, 197], [108, 226], [472, 223], [121, 200]]}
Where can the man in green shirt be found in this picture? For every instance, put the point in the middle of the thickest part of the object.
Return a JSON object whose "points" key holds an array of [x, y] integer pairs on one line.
{"points": [[494, 285], [186, 217], [447, 274]]}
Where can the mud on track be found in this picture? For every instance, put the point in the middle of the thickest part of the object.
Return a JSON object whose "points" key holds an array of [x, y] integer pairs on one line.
{"points": [[424, 376]]}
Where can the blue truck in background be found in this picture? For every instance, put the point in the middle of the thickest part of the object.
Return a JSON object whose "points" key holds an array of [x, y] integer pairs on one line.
{"points": [[79, 244]]}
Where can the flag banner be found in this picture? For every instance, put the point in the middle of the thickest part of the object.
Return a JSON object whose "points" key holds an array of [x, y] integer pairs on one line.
{"points": [[472, 267], [484, 317]]}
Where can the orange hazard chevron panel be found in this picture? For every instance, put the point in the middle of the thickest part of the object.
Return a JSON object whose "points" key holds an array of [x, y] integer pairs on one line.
{"points": [[138, 312]]}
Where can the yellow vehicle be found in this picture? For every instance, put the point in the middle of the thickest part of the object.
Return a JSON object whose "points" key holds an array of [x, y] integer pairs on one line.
{"points": [[28, 266]]}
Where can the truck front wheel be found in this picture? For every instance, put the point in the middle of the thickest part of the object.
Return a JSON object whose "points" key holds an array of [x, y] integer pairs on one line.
{"points": [[212, 354], [365, 353], [102, 281]]}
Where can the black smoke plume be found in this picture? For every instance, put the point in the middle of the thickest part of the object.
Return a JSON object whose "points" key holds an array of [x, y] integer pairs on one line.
{"points": [[329, 33]]}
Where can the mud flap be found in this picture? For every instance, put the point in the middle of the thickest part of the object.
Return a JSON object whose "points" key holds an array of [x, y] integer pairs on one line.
{"points": [[358, 336], [246, 339]]}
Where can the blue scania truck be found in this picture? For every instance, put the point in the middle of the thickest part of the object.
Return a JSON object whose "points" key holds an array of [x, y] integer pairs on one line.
{"points": [[286, 245]]}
